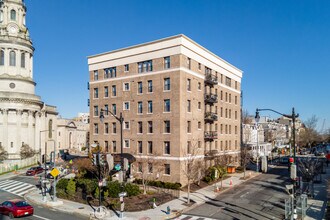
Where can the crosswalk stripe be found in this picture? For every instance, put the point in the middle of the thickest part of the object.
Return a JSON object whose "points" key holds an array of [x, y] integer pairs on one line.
{"points": [[16, 187]]}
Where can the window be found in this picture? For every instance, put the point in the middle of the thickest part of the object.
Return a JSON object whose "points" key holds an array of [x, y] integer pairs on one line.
{"points": [[229, 98], [188, 106], [113, 90], [167, 105], [226, 97], [96, 75], [228, 81], [188, 126], [188, 84], [235, 129], [96, 110], [229, 129], [1, 16], [140, 147], [189, 63], [106, 128], [126, 67], [167, 84], [106, 110], [12, 60], [140, 167], [199, 105], [235, 99], [208, 71], [188, 147], [149, 106], [13, 15], [126, 87], [106, 144], [140, 127], [114, 146], [199, 86], [221, 78], [167, 62], [126, 105], [167, 148], [2, 58], [106, 91], [150, 128], [140, 108], [139, 87], [96, 93], [221, 112], [23, 60], [126, 143], [114, 109], [226, 129], [199, 144], [221, 129], [199, 125], [167, 126], [110, 72], [229, 113], [235, 84], [199, 66], [150, 147], [235, 115], [126, 125], [96, 128], [114, 127], [221, 95], [167, 169], [150, 168], [145, 66], [149, 85]]}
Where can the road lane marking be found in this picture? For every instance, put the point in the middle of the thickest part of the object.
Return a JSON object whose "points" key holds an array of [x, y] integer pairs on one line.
{"points": [[23, 188], [41, 217]]}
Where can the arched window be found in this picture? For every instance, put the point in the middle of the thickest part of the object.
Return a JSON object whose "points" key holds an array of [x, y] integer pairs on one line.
{"points": [[12, 58], [1, 16], [50, 128], [13, 15], [2, 57], [23, 60]]}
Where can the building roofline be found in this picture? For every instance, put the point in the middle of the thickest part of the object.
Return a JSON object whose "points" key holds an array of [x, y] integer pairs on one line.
{"points": [[162, 40]]}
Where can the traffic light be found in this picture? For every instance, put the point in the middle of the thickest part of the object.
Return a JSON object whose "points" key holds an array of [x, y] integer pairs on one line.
{"points": [[102, 159], [95, 159]]}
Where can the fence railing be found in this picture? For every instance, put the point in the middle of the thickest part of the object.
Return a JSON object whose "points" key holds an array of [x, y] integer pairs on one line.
{"points": [[13, 165]]}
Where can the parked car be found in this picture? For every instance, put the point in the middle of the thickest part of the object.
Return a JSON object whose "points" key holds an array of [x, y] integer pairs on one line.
{"points": [[284, 160], [34, 170], [16, 208]]}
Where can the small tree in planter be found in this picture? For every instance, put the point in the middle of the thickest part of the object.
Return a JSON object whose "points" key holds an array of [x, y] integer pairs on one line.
{"points": [[3, 154]]}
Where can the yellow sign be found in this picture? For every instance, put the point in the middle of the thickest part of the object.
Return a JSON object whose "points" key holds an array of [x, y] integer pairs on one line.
{"points": [[55, 172]]}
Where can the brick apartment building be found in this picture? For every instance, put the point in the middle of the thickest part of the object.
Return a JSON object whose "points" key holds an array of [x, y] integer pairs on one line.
{"points": [[175, 96]]}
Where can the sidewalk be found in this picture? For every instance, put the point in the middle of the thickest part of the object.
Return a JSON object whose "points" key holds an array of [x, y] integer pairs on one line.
{"points": [[177, 206], [316, 207]]}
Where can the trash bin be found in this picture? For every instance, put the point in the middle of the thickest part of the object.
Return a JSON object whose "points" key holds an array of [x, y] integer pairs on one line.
{"points": [[231, 169]]}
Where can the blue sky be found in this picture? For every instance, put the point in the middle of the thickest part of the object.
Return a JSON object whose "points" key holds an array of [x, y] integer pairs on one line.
{"points": [[283, 47]]}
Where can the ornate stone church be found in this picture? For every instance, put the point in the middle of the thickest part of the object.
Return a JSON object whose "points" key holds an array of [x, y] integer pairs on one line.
{"points": [[24, 118]]}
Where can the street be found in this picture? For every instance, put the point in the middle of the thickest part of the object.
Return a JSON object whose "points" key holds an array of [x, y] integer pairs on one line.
{"points": [[258, 198], [16, 187]]}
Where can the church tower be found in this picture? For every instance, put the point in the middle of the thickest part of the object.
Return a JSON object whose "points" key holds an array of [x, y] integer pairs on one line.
{"points": [[24, 118]]}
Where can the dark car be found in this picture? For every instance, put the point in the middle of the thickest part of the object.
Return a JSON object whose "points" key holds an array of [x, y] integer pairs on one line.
{"points": [[34, 170], [16, 208]]}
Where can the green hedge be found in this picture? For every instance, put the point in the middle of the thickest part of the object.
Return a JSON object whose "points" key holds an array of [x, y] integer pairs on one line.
{"points": [[160, 184]]}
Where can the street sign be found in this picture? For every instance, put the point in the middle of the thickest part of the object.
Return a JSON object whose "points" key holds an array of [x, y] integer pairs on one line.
{"points": [[117, 167], [55, 172]]}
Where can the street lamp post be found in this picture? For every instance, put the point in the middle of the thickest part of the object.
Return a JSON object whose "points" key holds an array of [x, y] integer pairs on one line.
{"points": [[257, 118], [293, 116], [121, 121]]}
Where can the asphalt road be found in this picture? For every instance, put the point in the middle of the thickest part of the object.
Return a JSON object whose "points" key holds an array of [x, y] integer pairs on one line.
{"points": [[39, 211], [259, 198]]}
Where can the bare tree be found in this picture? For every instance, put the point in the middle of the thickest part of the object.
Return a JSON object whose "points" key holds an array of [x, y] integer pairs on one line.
{"points": [[222, 162], [3, 154], [246, 119], [245, 158], [191, 166], [309, 135], [27, 151], [148, 169], [309, 168]]}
